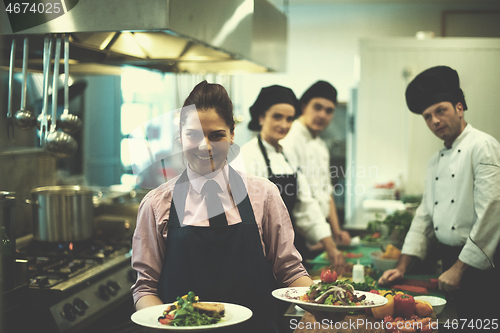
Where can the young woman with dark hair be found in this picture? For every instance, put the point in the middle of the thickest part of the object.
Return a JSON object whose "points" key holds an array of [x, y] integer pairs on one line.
{"points": [[272, 115], [236, 254]]}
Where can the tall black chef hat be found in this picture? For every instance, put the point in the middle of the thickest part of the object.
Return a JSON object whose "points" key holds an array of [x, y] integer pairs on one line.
{"points": [[434, 85], [320, 89], [268, 97]]}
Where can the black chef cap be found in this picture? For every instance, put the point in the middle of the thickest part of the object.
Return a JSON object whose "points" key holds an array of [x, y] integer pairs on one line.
{"points": [[434, 85], [320, 89], [268, 97]]}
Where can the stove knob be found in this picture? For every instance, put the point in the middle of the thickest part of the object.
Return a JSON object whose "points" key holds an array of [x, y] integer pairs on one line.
{"points": [[80, 306], [113, 287], [102, 292], [69, 312]]}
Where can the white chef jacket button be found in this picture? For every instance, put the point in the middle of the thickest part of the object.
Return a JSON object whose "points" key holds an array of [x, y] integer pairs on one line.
{"points": [[453, 228], [459, 150], [436, 228], [437, 178], [452, 201], [436, 203], [442, 154], [453, 175]]}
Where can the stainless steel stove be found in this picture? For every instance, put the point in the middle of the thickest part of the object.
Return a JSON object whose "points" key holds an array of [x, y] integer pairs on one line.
{"points": [[71, 285]]}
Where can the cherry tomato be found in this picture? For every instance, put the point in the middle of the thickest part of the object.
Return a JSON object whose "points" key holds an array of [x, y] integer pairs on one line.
{"points": [[328, 276], [388, 319], [166, 320], [375, 291]]}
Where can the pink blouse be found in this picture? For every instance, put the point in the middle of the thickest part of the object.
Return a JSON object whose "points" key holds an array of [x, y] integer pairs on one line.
{"points": [[273, 221]]}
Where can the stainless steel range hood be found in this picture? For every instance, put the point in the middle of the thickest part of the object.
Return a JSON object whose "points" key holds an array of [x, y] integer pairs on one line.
{"points": [[196, 36]]}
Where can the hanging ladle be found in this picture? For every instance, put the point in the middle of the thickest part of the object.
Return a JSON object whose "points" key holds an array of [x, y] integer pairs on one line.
{"points": [[59, 144], [68, 123], [44, 119], [25, 119]]}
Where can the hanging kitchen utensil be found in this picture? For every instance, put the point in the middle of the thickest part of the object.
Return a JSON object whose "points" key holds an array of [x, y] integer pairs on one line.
{"points": [[69, 123], [25, 119], [59, 144], [43, 118], [10, 121]]}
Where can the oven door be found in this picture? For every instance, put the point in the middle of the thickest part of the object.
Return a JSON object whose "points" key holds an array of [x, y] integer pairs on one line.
{"points": [[85, 307]]}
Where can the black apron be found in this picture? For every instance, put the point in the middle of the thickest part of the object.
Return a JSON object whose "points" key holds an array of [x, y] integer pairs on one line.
{"points": [[479, 289], [287, 183], [221, 264], [288, 187]]}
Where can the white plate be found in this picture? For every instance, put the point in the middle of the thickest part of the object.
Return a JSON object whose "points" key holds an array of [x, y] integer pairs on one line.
{"points": [[234, 314], [292, 295]]}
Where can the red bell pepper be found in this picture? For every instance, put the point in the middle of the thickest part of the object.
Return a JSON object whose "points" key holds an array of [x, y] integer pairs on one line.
{"points": [[404, 305]]}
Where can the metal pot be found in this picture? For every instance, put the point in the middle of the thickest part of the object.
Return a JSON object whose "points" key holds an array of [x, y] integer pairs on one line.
{"points": [[62, 213]]}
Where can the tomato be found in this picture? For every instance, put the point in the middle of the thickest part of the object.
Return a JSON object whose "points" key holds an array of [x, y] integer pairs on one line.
{"points": [[376, 235], [328, 276], [375, 291], [166, 320], [388, 319]]}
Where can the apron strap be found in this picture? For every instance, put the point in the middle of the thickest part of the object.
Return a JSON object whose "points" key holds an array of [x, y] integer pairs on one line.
{"points": [[268, 163], [179, 197], [240, 194], [264, 153]]}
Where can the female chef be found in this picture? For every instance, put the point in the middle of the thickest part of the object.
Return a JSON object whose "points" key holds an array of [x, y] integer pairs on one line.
{"points": [[272, 115], [237, 254]]}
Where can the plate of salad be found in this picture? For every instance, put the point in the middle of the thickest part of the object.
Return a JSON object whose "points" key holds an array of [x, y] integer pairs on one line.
{"points": [[189, 314], [330, 295]]}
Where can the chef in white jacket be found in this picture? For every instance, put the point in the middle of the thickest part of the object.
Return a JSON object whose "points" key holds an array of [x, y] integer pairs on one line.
{"points": [[317, 106], [272, 115], [461, 200]]}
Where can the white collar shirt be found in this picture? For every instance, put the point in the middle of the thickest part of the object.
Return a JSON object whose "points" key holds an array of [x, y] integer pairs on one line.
{"points": [[313, 160]]}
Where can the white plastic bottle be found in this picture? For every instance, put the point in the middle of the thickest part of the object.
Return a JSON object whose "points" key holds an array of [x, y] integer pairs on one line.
{"points": [[358, 273]]}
